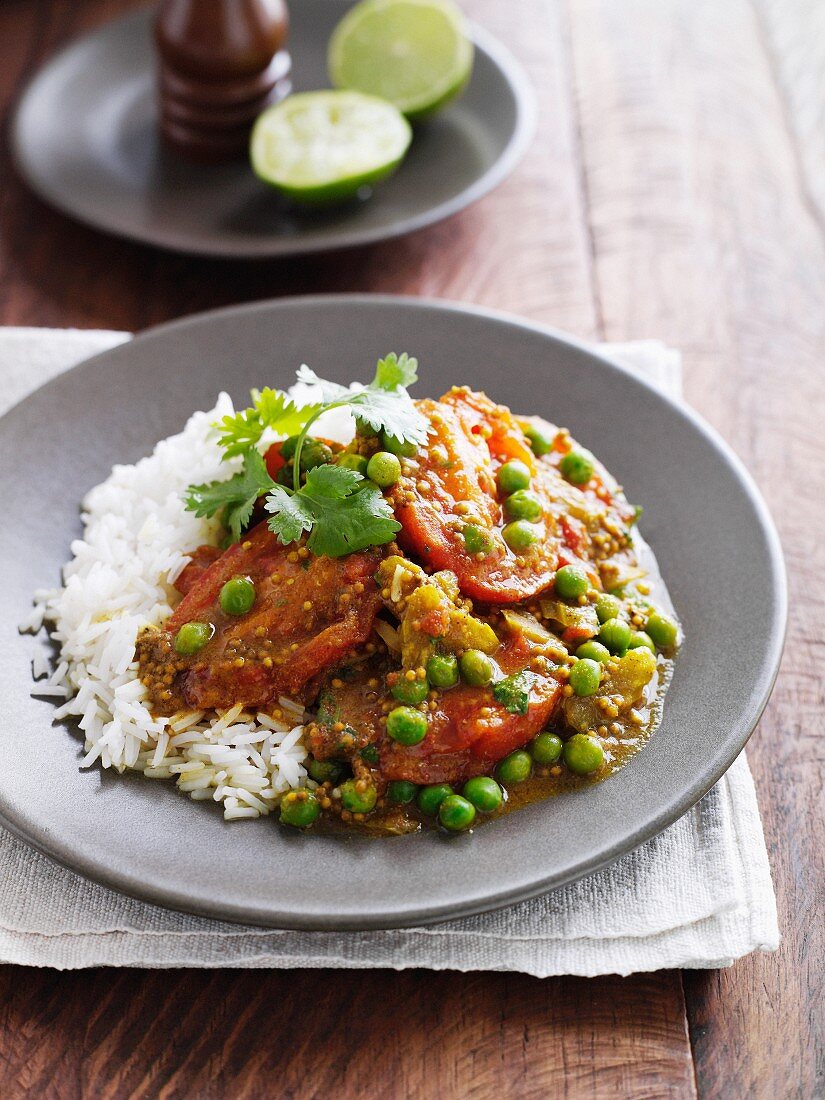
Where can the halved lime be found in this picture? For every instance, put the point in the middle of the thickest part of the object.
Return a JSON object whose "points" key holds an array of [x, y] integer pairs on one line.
{"points": [[415, 53], [323, 147]]}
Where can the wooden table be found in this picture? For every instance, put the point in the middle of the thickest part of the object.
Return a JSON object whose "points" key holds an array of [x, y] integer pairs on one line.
{"points": [[676, 189]]}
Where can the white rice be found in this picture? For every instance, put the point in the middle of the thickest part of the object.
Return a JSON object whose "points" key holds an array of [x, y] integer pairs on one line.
{"points": [[136, 537]]}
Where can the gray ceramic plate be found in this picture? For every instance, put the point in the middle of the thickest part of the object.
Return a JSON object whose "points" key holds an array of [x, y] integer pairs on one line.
{"points": [[84, 138], [708, 526]]}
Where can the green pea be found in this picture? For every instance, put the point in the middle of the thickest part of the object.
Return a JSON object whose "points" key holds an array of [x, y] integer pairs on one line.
{"points": [[546, 748], [593, 651], [352, 462], [365, 430], [484, 793], [608, 607], [406, 726], [615, 634], [520, 535], [477, 540], [585, 676], [411, 692], [299, 808], [314, 453], [512, 476], [442, 671], [358, 802], [401, 792], [577, 467], [237, 596], [384, 469], [663, 630], [515, 768], [540, 442], [583, 754], [523, 504], [571, 582], [396, 446], [430, 798], [456, 813], [476, 668], [192, 637], [639, 640], [325, 771], [288, 447]]}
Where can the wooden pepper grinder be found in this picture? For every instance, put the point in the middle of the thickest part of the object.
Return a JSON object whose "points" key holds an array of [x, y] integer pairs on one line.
{"points": [[221, 63]]}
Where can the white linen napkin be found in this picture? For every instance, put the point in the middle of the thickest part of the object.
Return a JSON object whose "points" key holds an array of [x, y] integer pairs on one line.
{"points": [[698, 895]]}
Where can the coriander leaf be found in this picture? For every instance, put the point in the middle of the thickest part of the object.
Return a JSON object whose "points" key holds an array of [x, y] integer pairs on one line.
{"points": [[335, 482], [361, 520], [394, 371], [270, 409], [239, 432], [385, 404], [513, 692], [330, 391], [391, 411], [291, 515], [234, 498], [341, 514], [277, 410]]}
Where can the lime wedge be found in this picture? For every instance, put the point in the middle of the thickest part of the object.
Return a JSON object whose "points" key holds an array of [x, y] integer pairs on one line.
{"points": [[415, 53], [323, 147]]}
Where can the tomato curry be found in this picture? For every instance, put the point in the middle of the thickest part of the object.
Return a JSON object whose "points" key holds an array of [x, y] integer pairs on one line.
{"points": [[503, 638]]}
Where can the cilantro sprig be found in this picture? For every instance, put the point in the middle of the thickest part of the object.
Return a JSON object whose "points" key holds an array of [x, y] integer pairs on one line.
{"points": [[234, 499], [270, 409], [384, 404], [336, 507]]}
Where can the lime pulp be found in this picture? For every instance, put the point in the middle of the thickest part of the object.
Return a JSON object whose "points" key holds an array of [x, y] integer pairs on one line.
{"points": [[415, 53], [324, 147]]}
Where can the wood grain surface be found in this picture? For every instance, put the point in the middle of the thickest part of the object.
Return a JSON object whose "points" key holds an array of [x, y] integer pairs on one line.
{"points": [[674, 189]]}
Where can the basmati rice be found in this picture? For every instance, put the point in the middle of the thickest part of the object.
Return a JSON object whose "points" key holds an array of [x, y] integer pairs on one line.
{"points": [[136, 537]]}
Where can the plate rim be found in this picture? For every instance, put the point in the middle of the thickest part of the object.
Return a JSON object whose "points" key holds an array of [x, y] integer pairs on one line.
{"points": [[526, 115], [239, 912]]}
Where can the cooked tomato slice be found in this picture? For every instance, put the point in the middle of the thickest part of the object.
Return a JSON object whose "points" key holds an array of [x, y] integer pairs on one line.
{"points": [[452, 488], [580, 511], [602, 485], [309, 613], [200, 560], [460, 742], [273, 459], [494, 423]]}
